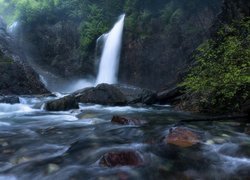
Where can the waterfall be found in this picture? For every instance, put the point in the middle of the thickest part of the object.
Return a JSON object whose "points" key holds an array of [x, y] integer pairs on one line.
{"points": [[109, 63]]}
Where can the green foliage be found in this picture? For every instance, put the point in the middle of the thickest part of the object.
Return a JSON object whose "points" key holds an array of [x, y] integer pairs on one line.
{"points": [[221, 76], [26, 10], [92, 27]]}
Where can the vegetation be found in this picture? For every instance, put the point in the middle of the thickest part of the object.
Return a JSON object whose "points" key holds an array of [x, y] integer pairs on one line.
{"points": [[221, 76], [97, 16]]}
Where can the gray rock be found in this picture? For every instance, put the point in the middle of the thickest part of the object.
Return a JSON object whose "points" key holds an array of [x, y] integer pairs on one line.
{"points": [[104, 94], [136, 95], [169, 95], [62, 104]]}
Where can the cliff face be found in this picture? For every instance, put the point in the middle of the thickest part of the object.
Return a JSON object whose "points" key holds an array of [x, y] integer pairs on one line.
{"points": [[16, 77], [231, 10], [55, 48], [229, 35], [234, 10], [156, 47], [158, 60]]}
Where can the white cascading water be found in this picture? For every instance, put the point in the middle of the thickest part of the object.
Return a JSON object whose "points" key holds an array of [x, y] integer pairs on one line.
{"points": [[109, 63]]}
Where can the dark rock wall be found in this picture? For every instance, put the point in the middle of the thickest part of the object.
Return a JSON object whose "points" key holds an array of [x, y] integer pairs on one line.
{"points": [[16, 77], [55, 48], [157, 61]]}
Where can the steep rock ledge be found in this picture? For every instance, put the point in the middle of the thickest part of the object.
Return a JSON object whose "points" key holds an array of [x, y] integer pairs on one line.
{"points": [[16, 77]]}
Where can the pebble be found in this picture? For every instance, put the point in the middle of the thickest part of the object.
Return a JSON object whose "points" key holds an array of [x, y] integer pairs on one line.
{"points": [[209, 142], [53, 168], [5, 144], [219, 140]]}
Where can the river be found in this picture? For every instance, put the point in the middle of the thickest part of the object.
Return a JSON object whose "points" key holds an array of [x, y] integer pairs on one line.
{"points": [[37, 144]]}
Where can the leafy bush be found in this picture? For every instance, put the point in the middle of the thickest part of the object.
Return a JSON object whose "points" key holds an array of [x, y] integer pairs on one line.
{"points": [[221, 76]]}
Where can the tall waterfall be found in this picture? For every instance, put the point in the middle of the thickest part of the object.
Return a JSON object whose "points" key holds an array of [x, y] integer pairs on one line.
{"points": [[109, 63]]}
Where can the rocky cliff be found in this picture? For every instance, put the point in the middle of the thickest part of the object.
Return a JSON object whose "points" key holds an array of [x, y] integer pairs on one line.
{"points": [[231, 24], [16, 77], [159, 39], [158, 59]]}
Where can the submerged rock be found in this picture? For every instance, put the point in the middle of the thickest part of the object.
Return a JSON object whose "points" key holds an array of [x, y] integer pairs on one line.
{"points": [[63, 104], [123, 158], [126, 121], [52, 168], [182, 137], [104, 94]]}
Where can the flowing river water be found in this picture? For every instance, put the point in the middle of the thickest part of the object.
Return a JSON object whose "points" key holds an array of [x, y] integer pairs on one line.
{"points": [[37, 144]]}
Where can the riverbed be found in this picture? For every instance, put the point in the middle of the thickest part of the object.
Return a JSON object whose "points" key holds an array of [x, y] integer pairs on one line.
{"points": [[37, 144]]}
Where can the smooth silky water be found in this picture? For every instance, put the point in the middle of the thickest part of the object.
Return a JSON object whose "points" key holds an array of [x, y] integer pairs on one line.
{"points": [[37, 144]]}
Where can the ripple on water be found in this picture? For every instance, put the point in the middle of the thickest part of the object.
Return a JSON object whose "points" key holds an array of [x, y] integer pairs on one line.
{"points": [[5, 108], [227, 157], [126, 109], [4, 124], [7, 177]]}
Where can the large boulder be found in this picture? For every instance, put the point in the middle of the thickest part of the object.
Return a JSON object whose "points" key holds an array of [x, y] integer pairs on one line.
{"points": [[63, 104], [104, 94], [170, 95], [138, 95]]}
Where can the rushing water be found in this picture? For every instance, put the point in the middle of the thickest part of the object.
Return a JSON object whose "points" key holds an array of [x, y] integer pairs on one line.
{"points": [[111, 54], [36, 144]]}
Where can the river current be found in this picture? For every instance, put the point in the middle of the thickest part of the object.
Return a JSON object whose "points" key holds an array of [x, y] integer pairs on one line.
{"points": [[37, 144]]}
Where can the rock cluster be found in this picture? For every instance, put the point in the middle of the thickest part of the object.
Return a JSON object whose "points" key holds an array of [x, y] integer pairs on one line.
{"points": [[103, 94]]}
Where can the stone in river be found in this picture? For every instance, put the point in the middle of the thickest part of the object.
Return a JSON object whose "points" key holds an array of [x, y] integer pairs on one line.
{"points": [[182, 137], [122, 158], [126, 121], [63, 104]]}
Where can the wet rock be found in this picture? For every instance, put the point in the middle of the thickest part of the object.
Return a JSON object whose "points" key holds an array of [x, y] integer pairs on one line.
{"points": [[136, 95], [9, 99], [123, 158], [169, 95], [63, 104], [127, 121], [22, 160], [247, 130], [104, 94], [182, 137], [52, 168], [219, 140], [246, 107]]}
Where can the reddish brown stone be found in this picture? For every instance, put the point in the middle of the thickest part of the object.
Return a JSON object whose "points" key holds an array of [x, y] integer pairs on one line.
{"points": [[182, 137], [126, 121], [124, 158]]}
